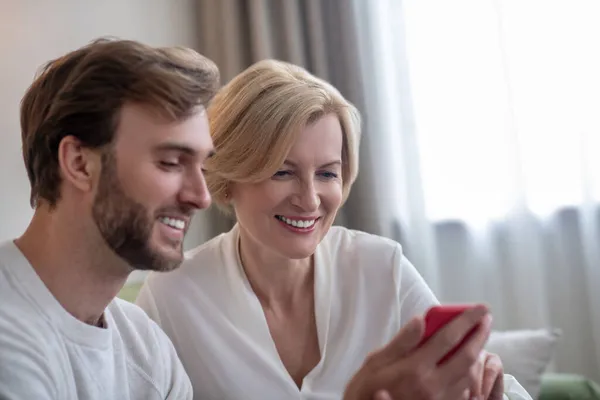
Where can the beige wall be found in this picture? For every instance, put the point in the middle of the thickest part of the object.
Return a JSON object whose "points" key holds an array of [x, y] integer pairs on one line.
{"points": [[34, 31]]}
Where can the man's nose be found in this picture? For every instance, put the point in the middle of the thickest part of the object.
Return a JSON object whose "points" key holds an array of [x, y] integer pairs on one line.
{"points": [[195, 192]]}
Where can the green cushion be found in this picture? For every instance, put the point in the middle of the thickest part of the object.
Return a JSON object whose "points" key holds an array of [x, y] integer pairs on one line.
{"points": [[130, 291], [567, 387]]}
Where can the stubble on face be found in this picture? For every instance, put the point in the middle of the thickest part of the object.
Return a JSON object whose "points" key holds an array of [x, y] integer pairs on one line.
{"points": [[126, 225]]}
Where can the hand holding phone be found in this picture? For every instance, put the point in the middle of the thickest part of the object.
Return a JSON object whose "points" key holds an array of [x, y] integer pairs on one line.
{"points": [[407, 365], [438, 316]]}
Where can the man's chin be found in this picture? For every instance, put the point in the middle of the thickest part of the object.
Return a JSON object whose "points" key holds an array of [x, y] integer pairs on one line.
{"points": [[168, 259], [170, 265], [159, 265], [157, 260], [167, 262]]}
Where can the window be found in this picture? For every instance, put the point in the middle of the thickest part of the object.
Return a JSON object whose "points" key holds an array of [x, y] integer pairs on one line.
{"points": [[506, 100]]}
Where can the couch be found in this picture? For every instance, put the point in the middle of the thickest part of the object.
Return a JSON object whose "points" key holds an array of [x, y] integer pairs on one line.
{"points": [[527, 354]]}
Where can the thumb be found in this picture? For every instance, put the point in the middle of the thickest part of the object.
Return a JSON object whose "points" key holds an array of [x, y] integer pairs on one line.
{"points": [[382, 395], [407, 338]]}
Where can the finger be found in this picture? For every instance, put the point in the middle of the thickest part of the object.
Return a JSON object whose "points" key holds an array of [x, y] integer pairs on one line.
{"points": [[493, 370], [458, 389], [477, 372], [468, 354], [382, 395], [497, 392], [453, 333], [405, 341]]}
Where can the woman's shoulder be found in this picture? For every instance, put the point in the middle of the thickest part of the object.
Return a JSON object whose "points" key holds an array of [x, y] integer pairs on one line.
{"points": [[353, 249], [207, 250], [353, 256], [341, 239], [199, 262]]}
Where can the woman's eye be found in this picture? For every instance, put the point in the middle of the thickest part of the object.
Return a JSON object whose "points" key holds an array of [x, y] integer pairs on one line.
{"points": [[328, 175], [281, 173]]}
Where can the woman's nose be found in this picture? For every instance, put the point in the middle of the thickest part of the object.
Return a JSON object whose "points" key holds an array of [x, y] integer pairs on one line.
{"points": [[308, 197]]}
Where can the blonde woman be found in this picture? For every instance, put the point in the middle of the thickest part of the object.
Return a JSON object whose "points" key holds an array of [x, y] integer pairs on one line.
{"points": [[285, 306]]}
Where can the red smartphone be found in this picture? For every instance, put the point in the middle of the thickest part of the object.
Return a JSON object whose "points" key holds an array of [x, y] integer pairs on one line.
{"points": [[437, 317]]}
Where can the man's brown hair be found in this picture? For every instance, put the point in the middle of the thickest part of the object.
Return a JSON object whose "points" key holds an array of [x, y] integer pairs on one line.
{"points": [[82, 93]]}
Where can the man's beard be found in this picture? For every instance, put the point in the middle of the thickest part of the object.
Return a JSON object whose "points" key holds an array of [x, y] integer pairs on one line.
{"points": [[125, 224]]}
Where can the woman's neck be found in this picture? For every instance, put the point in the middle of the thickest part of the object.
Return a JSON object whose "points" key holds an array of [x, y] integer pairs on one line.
{"points": [[277, 281]]}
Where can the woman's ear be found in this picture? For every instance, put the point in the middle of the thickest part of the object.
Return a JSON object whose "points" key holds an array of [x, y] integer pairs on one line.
{"points": [[228, 193]]}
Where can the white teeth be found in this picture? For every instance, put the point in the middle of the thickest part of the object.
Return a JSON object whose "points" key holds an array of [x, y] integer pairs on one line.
{"points": [[296, 223], [174, 223]]}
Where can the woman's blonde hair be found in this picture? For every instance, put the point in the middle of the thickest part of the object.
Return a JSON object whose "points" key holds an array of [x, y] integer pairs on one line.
{"points": [[255, 119]]}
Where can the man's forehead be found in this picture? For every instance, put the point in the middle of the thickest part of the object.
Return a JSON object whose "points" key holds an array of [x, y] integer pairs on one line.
{"points": [[185, 148], [138, 126]]}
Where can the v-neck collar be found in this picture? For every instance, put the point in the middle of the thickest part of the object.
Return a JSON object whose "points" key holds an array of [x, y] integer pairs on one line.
{"points": [[259, 329]]}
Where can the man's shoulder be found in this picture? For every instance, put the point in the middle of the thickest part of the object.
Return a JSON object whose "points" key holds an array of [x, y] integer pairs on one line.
{"points": [[29, 343], [130, 320], [20, 313], [145, 345], [22, 321], [142, 337]]}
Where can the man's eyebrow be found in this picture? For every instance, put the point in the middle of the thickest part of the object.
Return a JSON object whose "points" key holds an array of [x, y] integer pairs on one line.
{"points": [[178, 147], [181, 148]]}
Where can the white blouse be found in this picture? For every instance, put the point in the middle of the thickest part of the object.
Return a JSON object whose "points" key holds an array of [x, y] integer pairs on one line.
{"points": [[365, 291]]}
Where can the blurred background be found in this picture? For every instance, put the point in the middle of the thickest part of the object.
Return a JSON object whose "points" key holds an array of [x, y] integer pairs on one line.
{"points": [[481, 145]]}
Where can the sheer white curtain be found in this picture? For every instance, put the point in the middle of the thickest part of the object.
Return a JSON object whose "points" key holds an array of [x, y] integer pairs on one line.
{"points": [[487, 114]]}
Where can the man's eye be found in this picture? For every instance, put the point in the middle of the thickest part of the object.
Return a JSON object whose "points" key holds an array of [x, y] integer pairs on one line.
{"points": [[168, 164]]}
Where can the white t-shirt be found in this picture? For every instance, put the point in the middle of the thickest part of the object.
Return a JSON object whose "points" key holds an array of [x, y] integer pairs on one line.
{"points": [[46, 353], [365, 291]]}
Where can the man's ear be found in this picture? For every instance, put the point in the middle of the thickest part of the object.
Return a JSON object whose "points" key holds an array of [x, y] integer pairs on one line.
{"points": [[79, 165]]}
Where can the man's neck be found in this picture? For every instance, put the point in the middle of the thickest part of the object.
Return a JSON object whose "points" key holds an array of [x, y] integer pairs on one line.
{"points": [[74, 263], [278, 282]]}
